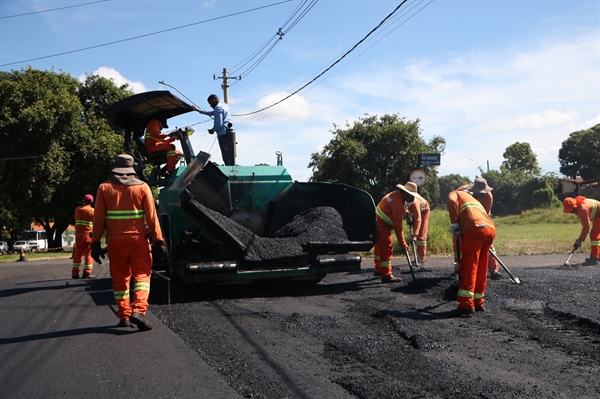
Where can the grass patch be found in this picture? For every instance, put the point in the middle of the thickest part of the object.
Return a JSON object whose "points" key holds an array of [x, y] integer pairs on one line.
{"points": [[34, 255]]}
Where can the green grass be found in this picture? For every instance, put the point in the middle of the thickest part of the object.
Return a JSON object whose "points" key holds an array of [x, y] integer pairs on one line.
{"points": [[34, 255]]}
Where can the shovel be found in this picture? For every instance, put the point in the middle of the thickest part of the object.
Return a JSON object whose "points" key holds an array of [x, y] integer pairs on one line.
{"points": [[412, 242], [512, 277], [566, 264], [410, 264]]}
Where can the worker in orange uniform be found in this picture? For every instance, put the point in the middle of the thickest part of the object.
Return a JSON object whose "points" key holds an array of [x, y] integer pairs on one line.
{"points": [[588, 210], [157, 141], [125, 206], [476, 231], [420, 210], [84, 216], [483, 194], [390, 212]]}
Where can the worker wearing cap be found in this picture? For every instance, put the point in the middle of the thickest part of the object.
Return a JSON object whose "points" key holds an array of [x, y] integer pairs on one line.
{"points": [[220, 114], [482, 193], [84, 216], [588, 210], [157, 141], [472, 224], [390, 212], [419, 209], [125, 206]]}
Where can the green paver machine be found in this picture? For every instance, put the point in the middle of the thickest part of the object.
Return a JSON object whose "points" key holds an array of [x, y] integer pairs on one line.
{"points": [[234, 224]]}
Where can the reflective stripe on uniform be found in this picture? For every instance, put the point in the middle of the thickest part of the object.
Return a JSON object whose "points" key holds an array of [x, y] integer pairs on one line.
{"points": [[83, 223], [148, 136], [129, 214], [470, 204], [76, 264], [465, 294], [376, 257], [386, 263], [595, 243], [383, 216], [121, 294], [594, 210], [88, 267], [478, 295], [421, 243], [141, 286]]}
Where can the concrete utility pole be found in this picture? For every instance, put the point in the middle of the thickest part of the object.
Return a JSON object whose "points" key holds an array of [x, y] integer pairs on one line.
{"points": [[225, 84]]}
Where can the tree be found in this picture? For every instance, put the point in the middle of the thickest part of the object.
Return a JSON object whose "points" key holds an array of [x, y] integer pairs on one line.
{"points": [[450, 183], [520, 157], [56, 143], [375, 154], [578, 156]]}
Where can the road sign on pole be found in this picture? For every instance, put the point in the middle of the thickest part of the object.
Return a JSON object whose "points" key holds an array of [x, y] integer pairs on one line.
{"points": [[418, 177]]}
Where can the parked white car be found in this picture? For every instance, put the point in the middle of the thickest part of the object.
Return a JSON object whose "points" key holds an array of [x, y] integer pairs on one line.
{"points": [[21, 244], [3, 247]]}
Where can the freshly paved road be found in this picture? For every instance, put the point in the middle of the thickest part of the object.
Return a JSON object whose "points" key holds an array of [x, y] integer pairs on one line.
{"points": [[57, 339]]}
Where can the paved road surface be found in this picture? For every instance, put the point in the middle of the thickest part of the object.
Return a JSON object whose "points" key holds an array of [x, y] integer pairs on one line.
{"points": [[57, 339]]}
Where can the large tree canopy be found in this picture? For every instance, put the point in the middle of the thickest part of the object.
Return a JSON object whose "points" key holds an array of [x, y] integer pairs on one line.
{"points": [[56, 143], [375, 154], [578, 156], [520, 157]]}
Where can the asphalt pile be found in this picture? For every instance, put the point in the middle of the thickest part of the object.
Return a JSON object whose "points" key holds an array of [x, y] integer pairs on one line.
{"points": [[321, 224]]}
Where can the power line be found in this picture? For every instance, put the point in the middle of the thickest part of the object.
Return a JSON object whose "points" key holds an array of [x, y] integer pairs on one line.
{"points": [[53, 9], [147, 34], [332, 65], [301, 10]]}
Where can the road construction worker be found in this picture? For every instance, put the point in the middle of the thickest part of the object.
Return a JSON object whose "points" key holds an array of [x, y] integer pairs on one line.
{"points": [[221, 116], [390, 212], [475, 232], [157, 141], [486, 199], [125, 206], [419, 209], [84, 216], [588, 210]]}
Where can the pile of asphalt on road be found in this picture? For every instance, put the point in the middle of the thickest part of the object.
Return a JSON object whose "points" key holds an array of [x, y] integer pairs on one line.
{"points": [[322, 224]]}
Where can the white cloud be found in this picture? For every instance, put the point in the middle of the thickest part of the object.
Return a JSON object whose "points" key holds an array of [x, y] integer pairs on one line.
{"points": [[114, 75]]}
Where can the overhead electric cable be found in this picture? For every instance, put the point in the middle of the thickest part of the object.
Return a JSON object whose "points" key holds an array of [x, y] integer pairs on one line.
{"points": [[147, 34], [332, 65], [52, 9], [299, 13]]}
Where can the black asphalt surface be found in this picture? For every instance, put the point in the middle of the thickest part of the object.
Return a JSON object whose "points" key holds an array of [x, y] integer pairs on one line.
{"points": [[58, 340]]}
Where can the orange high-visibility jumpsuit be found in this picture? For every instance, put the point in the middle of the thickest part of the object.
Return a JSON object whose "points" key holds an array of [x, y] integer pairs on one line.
{"points": [[588, 210], [389, 218], [420, 220], [486, 201], [157, 141], [478, 233], [129, 214], [84, 216]]}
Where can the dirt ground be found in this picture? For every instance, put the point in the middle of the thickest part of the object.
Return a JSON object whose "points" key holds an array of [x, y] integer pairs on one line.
{"points": [[350, 336]]}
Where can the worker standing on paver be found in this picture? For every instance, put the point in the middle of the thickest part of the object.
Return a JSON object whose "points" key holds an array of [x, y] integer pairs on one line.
{"points": [[390, 212], [84, 216], [588, 210], [157, 141], [419, 208], [125, 206], [483, 194], [474, 228]]}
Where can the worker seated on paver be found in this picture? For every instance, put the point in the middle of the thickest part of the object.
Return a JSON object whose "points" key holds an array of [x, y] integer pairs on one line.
{"points": [[157, 141]]}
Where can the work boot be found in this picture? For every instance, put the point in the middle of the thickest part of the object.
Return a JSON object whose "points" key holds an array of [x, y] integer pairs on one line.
{"points": [[480, 308], [495, 275], [376, 273], [140, 321], [88, 276], [75, 276], [462, 312], [124, 323], [390, 279], [590, 262]]}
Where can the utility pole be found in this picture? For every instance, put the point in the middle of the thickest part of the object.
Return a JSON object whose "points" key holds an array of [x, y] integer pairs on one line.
{"points": [[225, 84]]}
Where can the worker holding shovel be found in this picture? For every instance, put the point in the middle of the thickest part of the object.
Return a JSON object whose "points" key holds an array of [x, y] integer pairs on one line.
{"points": [[419, 209], [476, 231], [588, 210]]}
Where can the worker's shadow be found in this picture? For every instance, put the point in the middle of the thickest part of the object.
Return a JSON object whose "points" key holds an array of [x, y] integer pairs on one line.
{"points": [[69, 333]]}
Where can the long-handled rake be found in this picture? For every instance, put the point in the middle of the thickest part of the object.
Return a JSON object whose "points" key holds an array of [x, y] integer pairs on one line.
{"points": [[567, 265], [514, 278]]}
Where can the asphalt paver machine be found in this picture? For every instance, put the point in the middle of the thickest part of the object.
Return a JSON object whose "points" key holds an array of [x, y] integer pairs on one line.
{"points": [[235, 224]]}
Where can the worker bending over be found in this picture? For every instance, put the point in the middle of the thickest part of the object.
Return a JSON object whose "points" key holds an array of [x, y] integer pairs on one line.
{"points": [[419, 209], [588, 211], [475, 232]]}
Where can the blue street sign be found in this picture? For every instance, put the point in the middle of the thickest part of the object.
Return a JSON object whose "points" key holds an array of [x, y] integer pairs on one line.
{"points": [[429, 159]]}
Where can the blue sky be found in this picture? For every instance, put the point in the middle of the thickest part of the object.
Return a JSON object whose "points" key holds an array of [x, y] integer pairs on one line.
{"points": [[481, 74]]}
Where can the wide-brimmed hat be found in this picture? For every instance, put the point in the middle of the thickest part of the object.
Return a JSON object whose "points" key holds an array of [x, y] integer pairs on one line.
{"points": [[408, 191], [88, 198], [123, 165], [479, 186]]}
